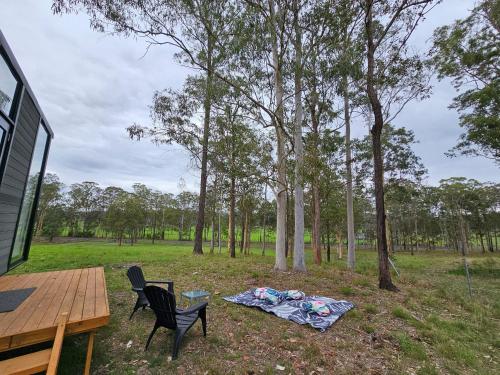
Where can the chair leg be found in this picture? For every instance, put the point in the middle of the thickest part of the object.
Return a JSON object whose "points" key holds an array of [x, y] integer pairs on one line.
{"points": [[151, 336], [203, 317], [136, 307], [179, 335], [133, 312]]}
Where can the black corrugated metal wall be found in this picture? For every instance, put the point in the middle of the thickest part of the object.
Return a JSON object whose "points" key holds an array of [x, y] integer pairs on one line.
{"points": [[15, 175]]}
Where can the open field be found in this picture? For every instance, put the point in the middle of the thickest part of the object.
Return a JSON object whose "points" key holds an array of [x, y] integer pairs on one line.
{"points": [[430, 327]]}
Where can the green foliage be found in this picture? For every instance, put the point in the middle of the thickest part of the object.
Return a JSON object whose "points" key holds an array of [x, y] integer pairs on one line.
{"points": [[468, 52]]}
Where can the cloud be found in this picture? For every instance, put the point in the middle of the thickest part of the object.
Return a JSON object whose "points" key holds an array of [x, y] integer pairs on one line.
{"points": [[91, 86]]}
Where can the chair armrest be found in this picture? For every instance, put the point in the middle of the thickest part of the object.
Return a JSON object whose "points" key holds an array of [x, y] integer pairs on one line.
{"points": [[192, 309], [159, 282], [168, 282]]}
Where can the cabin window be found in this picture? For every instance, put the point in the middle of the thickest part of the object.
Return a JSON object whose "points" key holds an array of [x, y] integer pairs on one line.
{"points": [[31, 192], [8, 88]]}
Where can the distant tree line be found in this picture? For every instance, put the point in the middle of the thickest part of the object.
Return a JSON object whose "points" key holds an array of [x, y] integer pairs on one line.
{"points": [[460, 214]]}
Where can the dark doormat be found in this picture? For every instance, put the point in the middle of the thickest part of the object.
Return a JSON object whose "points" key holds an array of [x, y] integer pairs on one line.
{"points": [[11, 299]]}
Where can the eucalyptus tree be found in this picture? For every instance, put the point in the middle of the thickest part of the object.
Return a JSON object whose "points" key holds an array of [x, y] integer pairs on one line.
{"points": [[320, 39], [332, 190], [393, 78], [115, 218], [299, 263], [271, 36], [467, 51], [197, 28], [349, 68], [185, 203], [240, 158], [208, 34], [455, 194], [403, 169], [84, 201], [108, 196], [51, 195]]}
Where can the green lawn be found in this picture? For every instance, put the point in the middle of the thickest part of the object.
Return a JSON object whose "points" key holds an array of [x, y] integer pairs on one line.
{"points": [[430, 327]]}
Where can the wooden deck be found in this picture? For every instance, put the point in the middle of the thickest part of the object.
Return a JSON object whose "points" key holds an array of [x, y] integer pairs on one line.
{"points": [[80, 292]]}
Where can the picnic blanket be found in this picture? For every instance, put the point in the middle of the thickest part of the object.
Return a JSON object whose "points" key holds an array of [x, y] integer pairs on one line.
{"points": [[293, 310]]}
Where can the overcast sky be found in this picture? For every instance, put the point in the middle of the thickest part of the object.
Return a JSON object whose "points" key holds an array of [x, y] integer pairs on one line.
{"points": [[92, 86]]}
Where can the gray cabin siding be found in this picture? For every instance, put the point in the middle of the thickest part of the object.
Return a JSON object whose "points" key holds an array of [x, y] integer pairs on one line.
{"points": [[15, 175]]}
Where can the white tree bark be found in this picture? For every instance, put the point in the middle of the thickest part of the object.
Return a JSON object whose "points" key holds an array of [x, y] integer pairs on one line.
{"points": [[299, 263], [219, 236], [351, 239], [280, 261]]}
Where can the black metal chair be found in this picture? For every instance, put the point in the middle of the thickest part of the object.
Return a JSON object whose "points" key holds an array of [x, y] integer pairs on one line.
{"points": [[138, 282], [162, 302]]}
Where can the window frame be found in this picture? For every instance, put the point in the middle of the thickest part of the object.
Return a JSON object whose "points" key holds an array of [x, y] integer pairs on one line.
{"points": [[32, 215], [17, 93]]}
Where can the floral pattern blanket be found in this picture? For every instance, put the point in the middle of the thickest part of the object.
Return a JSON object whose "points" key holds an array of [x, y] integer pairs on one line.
{"points": [[293, 309]]}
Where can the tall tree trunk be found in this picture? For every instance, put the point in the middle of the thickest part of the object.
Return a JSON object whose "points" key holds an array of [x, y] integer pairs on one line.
{"points": [[207, 105], [281, 204], [315, 208], [390, 244], [232, 225], [339, 244], [483, 249], [212, 237], [463, 235], [328, 245], [219, 237], [154, 229], [351, 239], [243, 232], [316, 233], [299, 263], [416, 233], [264, 236], [385, 281], [181, 226], [246, 243]]}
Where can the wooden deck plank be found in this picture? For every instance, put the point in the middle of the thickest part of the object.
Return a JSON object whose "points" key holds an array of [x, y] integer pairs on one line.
{"points": [[89, 303], [59, 284], [10, 317], [69, 298], [26, 311], [77, 308], [26, 364], [81, 293], [8, 283], [101, 303], [58, 303], [16, 283]]}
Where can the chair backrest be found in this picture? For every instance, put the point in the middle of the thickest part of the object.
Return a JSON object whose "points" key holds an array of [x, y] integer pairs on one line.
{"points": [[136, 277], [162, 302]]}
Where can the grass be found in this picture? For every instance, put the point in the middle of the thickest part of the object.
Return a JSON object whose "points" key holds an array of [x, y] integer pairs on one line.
{"points": [[430, 327]]}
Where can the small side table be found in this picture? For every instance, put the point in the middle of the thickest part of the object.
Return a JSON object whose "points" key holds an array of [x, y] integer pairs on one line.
{"points": [[195, 296]]}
